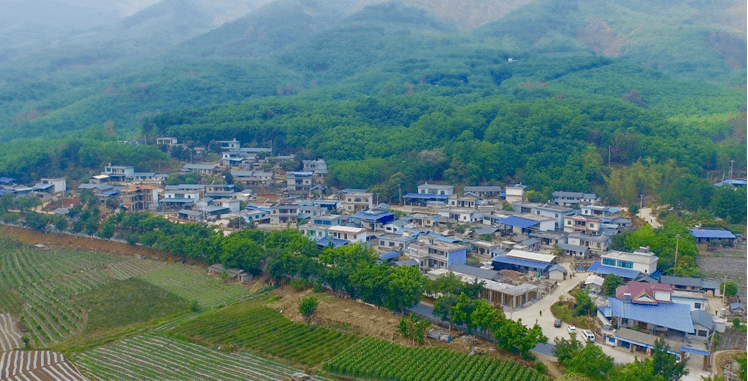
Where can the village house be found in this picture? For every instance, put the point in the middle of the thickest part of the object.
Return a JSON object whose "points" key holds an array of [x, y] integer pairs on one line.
{"points": [[347, 233], [598, 244], [252, 178], [59, 185], [523, 261], [203, 169], [515, 193], [181, 196], [393, 242], [573, 198], [582, 224], [466, 201], [168, 141], [442, 190], [140, 197], [229, 145], [283, 213], [373, 219], [430, 252], [299, 183], [317, 167], [356, 202], [556, 212], [483, 192]]}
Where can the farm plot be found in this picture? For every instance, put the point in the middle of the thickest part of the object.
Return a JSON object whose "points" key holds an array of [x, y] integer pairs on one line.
{"points": [[192, 283], [25, 265], [378, 359], [132, 268], [154, 356], [10, 338], [36, 365], [257, 327], [50, 313]]}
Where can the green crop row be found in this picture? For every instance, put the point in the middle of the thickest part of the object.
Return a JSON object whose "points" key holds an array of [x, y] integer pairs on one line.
{"points": [[261, 329], [382, 360]]}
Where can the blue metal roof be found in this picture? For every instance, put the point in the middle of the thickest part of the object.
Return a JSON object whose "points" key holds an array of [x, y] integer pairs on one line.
{"points": [[336, 243], [519, 222], [427, 196], [4, 191], [704, 233], [656, 275], [735, 182], [383, 216], [442, 238], [389, 255], [599, 268], [7, 180], [521, 262], [669, 315], [110, 193]]}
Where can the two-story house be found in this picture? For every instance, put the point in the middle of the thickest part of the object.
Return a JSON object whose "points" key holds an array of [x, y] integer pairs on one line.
{"points": [[140, 197], [299, 182], [467, 201], [573, 198], [347, 233], [582, 224], [432, 253], [356, 202], [442, 190], [483, 192], [283, 213], [545, 210]]}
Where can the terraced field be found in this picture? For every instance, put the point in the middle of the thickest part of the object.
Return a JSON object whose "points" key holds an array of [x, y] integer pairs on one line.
{"points": [[192, 283], [254, 326], [37, 365], [132, 268], [155, 356], [10, 338]]}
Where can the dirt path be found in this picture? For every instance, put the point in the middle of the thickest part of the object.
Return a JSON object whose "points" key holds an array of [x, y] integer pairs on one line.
{"points": [[646, 215]]}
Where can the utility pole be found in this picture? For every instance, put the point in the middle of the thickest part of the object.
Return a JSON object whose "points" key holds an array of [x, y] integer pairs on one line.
{"points": [[677, 240], [731, 164], [641, 201], [724, 288], [400, 193]]}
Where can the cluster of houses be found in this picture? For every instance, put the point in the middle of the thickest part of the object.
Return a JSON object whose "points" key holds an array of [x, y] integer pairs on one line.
{"points": [[488, 234]]}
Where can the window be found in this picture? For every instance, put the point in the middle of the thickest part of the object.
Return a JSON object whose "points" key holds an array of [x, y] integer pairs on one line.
{"points": [[702, 333], [609, 262], [697, 306], [626, 264]]}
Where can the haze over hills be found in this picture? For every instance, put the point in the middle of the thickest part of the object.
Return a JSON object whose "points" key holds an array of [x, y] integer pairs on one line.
{"points": [[179, 53]]}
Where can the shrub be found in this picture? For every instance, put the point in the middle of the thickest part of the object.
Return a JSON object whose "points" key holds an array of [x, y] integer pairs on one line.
{"points": [[307, 306]]}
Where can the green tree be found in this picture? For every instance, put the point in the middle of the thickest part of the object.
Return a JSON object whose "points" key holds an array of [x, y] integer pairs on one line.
{"points": [[513, 336], [566, 349], [591, 362], [665, 364], [414, 327], [585, 305], [307, 306], [612, 281], [730, 289], [639, 370]]}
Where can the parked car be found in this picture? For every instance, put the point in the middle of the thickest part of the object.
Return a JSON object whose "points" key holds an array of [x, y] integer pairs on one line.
{"points": [[572, 329], [557, 323], [588, 335]]}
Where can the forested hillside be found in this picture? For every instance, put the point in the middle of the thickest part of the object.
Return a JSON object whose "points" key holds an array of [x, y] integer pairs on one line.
{"points": [[392, 96]]}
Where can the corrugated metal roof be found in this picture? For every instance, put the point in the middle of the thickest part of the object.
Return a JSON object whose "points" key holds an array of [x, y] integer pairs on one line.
{"points": [[520, 262], [473, 271], [599, 268], [389, 255], [703, 319], [704, 233], [681, 281], [518, 222], [336, 243], [7, 180], [669, 315]]}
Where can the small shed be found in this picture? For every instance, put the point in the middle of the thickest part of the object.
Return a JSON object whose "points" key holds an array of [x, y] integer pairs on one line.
{"points": [[556, 272], [737, 309], [594, 283], [216, 268]]}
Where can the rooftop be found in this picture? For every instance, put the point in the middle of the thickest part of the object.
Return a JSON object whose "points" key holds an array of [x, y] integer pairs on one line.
{"points": [[717, 234], [346, 229], [538, 257], [599, 268], [520, 262], [669, 315], [479, 273], [519, 222]]}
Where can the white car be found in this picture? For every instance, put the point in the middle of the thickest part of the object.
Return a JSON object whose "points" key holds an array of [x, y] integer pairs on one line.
{"points": [[572, 329]]}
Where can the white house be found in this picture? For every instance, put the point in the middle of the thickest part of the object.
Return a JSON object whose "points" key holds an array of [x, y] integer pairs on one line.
{"points": [[641, 260], [350, 234], [515, 193], [442, 190]]}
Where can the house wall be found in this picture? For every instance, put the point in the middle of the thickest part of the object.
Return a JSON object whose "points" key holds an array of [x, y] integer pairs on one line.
{"points": [[694, 304]]}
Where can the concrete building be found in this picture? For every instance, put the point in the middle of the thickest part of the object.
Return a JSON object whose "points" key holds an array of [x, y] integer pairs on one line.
{"points": [[556, 212], [582, 224], [140, 197], [515, 193], [347, 233], [299, 183], [642, 260], [442, 190], [431, 253], [59, 185], [484, 192], [283, 213], [356, 202]]}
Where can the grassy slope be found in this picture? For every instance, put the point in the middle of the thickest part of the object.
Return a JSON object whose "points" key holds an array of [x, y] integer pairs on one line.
{"points": [[191, 283]]}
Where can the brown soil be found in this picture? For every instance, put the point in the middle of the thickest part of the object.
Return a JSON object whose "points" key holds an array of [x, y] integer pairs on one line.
{"points": [[723, 358], [69, 241]]}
